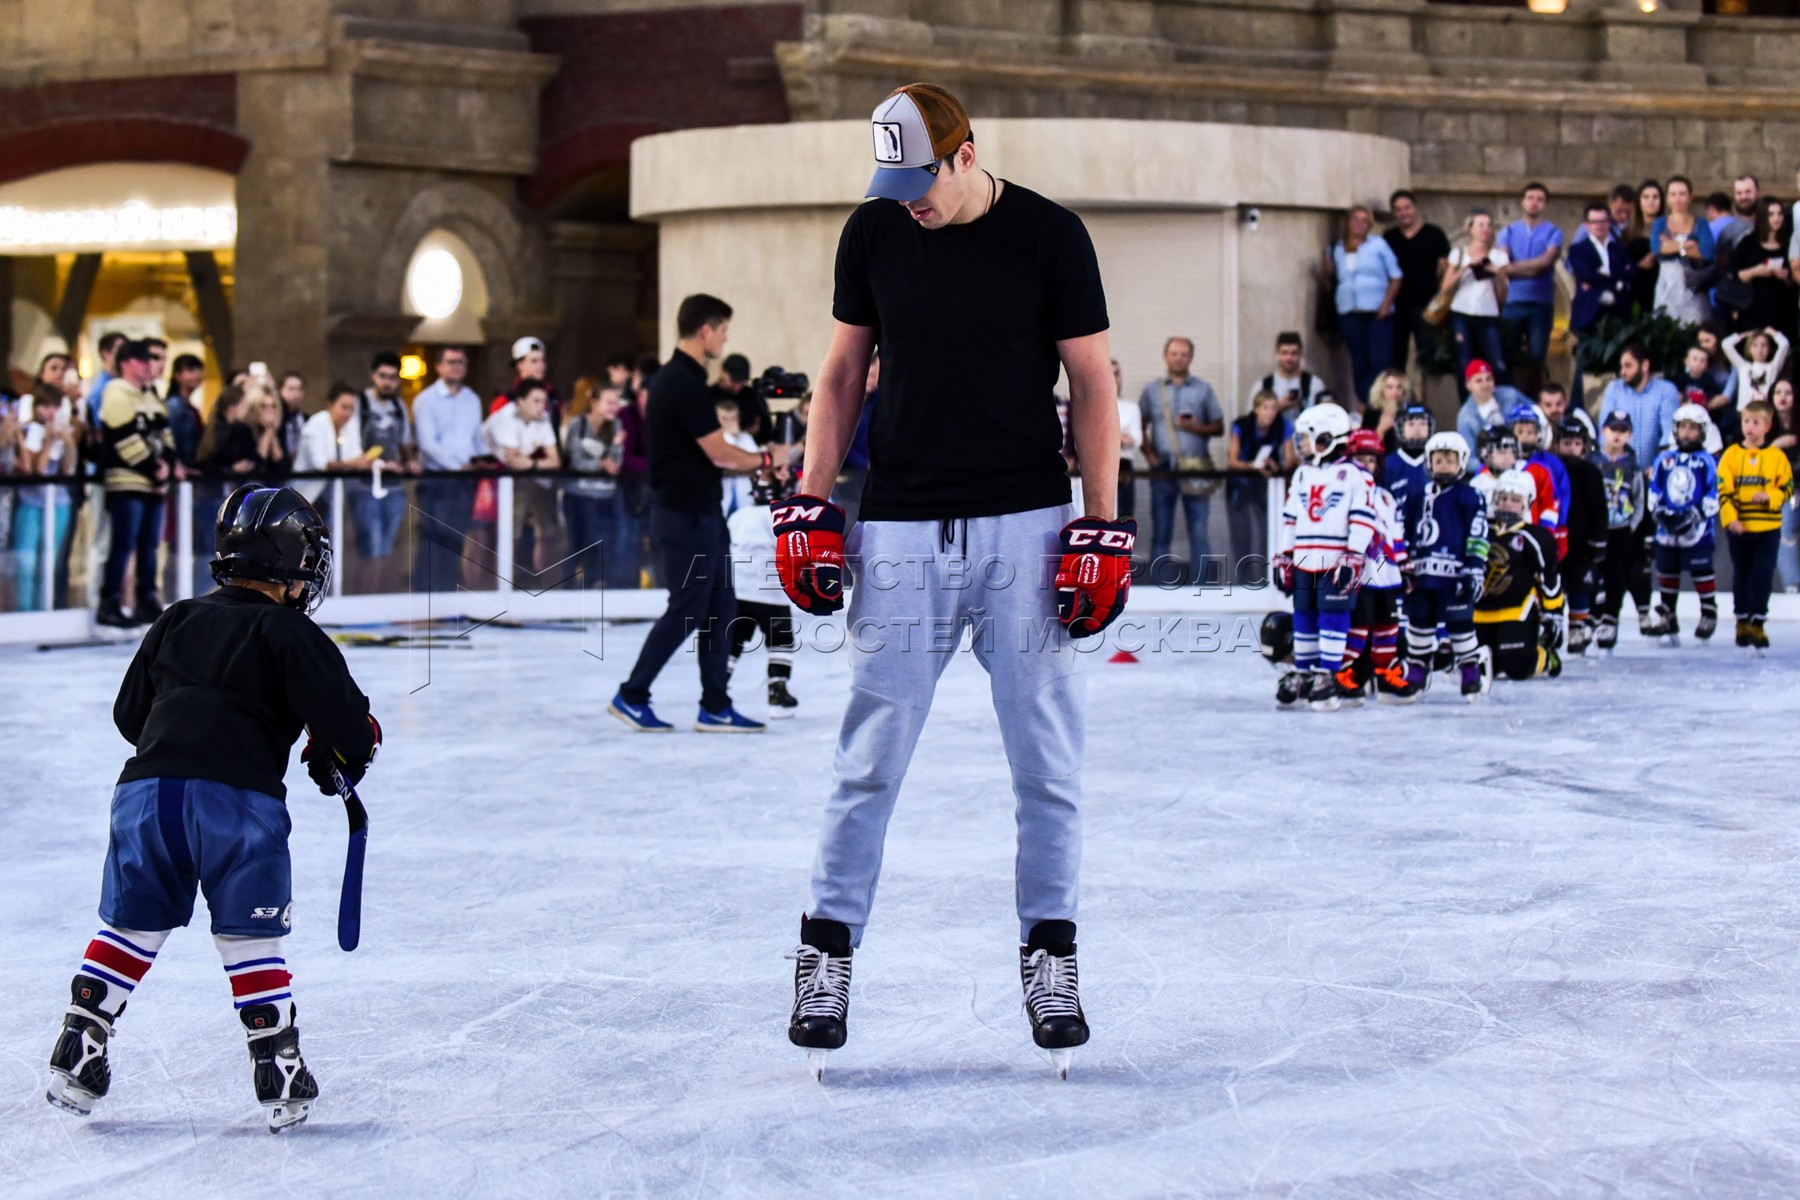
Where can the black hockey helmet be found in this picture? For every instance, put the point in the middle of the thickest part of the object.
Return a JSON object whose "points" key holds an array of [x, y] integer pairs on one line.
{"points": [[1415, 412], [1278, 638], [1493, 438], [274, 535], [1571, 428]]}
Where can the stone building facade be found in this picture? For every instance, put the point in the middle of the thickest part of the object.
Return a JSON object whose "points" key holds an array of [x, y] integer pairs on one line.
{"points": [[353, 128]]}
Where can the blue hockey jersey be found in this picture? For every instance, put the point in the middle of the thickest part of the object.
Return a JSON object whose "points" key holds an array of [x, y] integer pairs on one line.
{"points": [[1684, 497], [1405, 479], [1450, 535]]}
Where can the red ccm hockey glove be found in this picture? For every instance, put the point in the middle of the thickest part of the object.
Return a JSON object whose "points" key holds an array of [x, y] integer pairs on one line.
{"points": [[1095, 574], [809, 552]]}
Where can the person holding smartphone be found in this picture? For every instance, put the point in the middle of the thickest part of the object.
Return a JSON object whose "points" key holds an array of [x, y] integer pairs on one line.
{"points": [[1478, 293]]}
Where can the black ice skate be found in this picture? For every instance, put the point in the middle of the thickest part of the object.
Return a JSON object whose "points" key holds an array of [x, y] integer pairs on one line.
{"points": [[1665, 626], [1580, 634], [1414, 681], [1321, 691], [1477, 675], [821, 990], [1759, 637], [1287, 691], [283, 1084], [1053, 990], [79, 1072], [781, 702], [1707, 625], [1608, 635]]}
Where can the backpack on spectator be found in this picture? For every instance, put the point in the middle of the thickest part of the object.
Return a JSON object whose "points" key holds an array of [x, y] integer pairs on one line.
{"points": [[1190, 485], [1304, 392]]}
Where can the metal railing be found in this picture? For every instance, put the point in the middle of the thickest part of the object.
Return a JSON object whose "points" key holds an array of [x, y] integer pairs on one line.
{"points": [[54, 532]]}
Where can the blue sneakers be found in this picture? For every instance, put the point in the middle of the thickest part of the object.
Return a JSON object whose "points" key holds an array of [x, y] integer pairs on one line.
{"points": [[729, 721], [639, 718]]}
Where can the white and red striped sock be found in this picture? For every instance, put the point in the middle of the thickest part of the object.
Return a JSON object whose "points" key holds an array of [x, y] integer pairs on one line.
{"points": [[120, 958], [258, 972]]}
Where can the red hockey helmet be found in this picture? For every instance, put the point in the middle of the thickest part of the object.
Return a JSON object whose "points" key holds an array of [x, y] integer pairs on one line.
{"points": [[1364, 441]]}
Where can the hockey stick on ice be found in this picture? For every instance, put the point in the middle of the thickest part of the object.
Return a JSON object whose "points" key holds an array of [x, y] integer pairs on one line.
{"points": [[350, 899]]}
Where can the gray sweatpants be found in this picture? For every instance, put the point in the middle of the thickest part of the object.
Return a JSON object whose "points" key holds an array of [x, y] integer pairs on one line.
{"points": [[915, 594]]}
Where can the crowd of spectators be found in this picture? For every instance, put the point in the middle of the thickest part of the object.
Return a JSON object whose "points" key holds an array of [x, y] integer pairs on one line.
{"points": [[1724, 277]]}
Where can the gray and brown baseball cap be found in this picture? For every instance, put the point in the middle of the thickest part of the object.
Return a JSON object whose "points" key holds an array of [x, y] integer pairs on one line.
{"points": [[915, 128]]}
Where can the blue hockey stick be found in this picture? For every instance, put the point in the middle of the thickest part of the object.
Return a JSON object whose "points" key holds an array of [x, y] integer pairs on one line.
{"points": [[350, 899]]}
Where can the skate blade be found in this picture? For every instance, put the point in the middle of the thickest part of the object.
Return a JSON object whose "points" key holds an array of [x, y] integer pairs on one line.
{"points": [[1326, 705], [781, 714], [287, 1114], [1061, 1060], [68, 1095], [815, 1063]]}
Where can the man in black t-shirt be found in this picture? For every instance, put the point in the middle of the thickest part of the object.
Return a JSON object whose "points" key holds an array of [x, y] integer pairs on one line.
{"points": [[978, 292], [688, 454], [1423, 250]]}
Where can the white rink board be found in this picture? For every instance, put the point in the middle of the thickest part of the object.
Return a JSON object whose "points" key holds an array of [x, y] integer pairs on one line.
{"points": [[1543, 946]]}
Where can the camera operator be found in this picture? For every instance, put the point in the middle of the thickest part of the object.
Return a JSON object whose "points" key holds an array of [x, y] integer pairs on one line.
{"points": [[734, 388]]}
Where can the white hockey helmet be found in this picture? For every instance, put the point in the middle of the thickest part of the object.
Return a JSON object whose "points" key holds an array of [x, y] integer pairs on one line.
{"points": [[1449, 440], [1513, 484], [1320, 431], [1692, 412]]}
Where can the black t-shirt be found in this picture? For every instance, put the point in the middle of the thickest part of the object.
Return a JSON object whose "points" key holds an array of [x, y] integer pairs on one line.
{"points": [[967, 318], [1418, 255], [224, 685], [681, 412]]}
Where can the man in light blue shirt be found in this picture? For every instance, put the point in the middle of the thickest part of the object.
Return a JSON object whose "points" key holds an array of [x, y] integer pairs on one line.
{"points": [[1649, 401], [1533, 245], [109, 353], [1181, 413], [447, 416]]}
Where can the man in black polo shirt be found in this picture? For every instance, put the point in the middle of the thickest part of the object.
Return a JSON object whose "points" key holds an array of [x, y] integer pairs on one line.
{"points": [[979, 292], [688, 454]]}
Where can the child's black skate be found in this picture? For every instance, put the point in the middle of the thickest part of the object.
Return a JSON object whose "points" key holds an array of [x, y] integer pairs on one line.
{"points": [[1477, 675], [1707, 625], [1413, 682], [1352, 689], [1608, 634], [821, 990], [79, 1072], [1287, 691], [1053, 991], [1580, 634], [1321, 691], [283, 1084], [1759, 637], [781, 702], [1666, 626]]}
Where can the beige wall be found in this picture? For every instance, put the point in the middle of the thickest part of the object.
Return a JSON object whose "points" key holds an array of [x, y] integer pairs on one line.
{"points": [[753, 215], [773, 268]]}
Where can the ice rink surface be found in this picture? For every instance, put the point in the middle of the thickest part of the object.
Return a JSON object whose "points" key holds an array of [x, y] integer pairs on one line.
{"points": [[1539, 947]]}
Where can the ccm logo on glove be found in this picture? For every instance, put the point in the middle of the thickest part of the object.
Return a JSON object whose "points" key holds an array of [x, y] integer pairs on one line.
{"points": [[809, 552], [1094, 575]]}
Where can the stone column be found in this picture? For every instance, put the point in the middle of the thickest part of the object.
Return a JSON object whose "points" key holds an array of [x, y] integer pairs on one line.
{"points": [[296, 122]]}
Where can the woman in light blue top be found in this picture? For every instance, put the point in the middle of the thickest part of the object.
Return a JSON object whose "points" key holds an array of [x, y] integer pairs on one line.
{"points": [[1366, 279], [1683, 243]]}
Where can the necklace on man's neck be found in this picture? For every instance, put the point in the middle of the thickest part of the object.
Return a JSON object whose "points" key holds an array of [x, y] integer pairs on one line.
{"points": [[993, 192]]}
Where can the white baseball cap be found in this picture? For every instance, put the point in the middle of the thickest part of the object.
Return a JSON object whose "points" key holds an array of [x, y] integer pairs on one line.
{"points": [[914, 129], [524, 346]]}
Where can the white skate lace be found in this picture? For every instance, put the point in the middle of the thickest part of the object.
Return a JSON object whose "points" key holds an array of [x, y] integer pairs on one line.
{"points": [[821, 984], [1052, 988]]}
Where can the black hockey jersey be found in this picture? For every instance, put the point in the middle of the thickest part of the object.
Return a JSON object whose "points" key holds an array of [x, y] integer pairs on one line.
{"points": [[1521, 573]]}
